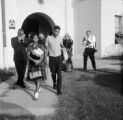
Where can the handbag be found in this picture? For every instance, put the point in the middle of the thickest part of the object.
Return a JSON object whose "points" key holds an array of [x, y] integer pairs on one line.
{"points": [[35, 74], [64, 66]]}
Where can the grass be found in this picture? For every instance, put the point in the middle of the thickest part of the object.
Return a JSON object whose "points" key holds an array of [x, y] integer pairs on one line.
{"points": [[91, 96], [5, 74]]}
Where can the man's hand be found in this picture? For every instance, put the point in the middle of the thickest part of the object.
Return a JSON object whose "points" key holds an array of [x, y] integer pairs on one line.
{"points": [[46, 63], [84, 42]]}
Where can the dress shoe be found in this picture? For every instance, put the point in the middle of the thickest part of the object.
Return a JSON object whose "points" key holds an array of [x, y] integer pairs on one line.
{"points": [[54, 86], [59, 93], [36, 95], [22, 85]]}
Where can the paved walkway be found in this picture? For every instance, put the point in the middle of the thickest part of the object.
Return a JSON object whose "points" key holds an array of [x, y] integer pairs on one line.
{"points": [[20, 101]]}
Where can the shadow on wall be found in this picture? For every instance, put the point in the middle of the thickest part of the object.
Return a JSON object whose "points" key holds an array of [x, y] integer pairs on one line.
{"points": [[6, 74], [89, 19], [78, 33]]}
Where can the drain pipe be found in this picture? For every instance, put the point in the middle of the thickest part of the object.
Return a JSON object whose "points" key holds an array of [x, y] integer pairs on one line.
{"points": [[3, 28]]}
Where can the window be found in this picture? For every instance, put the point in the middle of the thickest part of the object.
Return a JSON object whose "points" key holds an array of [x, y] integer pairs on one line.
{"points": [[118, 29], [118, 24]]}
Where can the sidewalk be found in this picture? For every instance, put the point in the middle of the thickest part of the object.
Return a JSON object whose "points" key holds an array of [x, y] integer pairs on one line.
{"points": [[18, 102]]}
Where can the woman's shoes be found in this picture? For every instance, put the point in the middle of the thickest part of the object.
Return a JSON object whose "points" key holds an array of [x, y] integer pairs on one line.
{"points": [[36, 96]]}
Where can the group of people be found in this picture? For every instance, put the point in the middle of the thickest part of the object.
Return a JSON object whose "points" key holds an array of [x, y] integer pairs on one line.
{"points": [[34, 51]]}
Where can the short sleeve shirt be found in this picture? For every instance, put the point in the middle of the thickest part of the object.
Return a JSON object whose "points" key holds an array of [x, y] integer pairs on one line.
{"points": [[54, 45], [92, 41]]}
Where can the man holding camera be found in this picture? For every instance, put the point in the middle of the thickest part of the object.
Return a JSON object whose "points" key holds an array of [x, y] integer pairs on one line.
{"points": [[90, 48], [20, 56]]}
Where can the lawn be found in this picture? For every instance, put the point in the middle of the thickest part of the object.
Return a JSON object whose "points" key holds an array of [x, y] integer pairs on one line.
{"points": [[5, 74], [91, 96]]}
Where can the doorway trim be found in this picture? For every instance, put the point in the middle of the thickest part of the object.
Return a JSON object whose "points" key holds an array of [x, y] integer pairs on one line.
{"points": [[45, 16]]}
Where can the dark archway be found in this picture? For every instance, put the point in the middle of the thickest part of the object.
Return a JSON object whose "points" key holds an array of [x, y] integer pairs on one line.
{"points": [[38, 23]]}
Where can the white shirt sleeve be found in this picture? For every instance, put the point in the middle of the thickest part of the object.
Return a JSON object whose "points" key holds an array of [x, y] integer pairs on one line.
{"points": [[61, 43], [46, 43], [93, 42], [93, 39]]}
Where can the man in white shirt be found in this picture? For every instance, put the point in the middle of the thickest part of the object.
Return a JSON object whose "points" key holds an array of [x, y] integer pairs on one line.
{"points": [[90, 44], [54, 44]]}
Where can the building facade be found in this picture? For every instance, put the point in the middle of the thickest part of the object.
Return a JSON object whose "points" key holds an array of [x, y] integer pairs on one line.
{"points": [[102, 17]]}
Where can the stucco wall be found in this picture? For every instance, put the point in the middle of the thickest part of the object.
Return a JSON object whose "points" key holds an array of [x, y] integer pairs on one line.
{"points": [[69, 21], [109, 9], [87, 15], [19, 10]]}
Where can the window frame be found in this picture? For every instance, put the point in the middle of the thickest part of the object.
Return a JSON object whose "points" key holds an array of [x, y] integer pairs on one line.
{"points": [[118, 23]]}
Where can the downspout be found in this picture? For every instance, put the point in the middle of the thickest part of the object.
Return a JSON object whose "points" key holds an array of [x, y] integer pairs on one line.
{"points": [[3, 28]]}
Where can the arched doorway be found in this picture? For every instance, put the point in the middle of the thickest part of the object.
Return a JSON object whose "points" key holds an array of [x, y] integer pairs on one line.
{"points": [[38, 23]]}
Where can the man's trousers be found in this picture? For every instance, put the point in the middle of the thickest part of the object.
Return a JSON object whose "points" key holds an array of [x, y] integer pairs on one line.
{"points": [[55, 64]]}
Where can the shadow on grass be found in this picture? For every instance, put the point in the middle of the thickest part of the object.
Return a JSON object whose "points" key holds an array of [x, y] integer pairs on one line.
{"points": [[112, 58], [10, 111], [5, 74], [91, 95], [105, 77], [111, 80]]}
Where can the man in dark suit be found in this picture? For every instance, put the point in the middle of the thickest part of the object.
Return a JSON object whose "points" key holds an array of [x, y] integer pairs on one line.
{"points": [[20, 56]]}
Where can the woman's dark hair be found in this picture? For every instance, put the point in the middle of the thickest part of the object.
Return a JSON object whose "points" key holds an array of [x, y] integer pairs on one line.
{"points": [[34, 34], [20, 32], [56, 27], [88, 31]]}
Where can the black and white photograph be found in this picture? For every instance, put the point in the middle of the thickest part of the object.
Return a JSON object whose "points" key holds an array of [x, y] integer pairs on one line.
{"points": [[61, 59]]}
